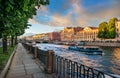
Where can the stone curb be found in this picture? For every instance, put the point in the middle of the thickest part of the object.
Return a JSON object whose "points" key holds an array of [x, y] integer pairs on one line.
{"points": [[6, 68]]}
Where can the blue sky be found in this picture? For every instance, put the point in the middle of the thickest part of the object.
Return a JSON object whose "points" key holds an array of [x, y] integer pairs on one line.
{"points": [[63, 13]]}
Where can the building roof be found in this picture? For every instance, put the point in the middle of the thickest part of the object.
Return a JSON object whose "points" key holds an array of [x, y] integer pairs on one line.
{"points": [[89, 28], [69, 27], [93, 27], [118, 20], [77, 29]]}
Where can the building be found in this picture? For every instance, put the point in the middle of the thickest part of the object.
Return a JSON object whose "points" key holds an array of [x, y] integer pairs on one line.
{"points": [[87, 34], [68, 33], [29, 38], [118, 29], [36, 36], [46, 36], [43, 36], [54, 36]]}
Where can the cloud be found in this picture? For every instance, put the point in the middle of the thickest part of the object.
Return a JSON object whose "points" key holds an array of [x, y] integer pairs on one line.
{"points": [[58, 20], [81, 18], [33, 21], [108, 13], [74, 13], [87, 18]]}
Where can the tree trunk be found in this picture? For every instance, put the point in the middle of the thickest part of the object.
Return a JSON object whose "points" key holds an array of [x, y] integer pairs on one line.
{"points": [[12, 38], [4, 39], [16, 39], [0, 35]]}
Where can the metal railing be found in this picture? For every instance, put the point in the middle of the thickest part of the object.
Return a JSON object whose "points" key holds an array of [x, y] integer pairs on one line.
{"points": [[65, 68], [46, 57], [42, 56]]}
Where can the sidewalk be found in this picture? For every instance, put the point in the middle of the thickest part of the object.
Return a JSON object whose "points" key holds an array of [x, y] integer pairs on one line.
{"points": [[23, 66]]}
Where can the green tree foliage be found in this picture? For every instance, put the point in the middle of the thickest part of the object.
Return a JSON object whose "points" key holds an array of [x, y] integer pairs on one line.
{"points": [[103, 30], [112, 28], [107, 30], [14, 15]]}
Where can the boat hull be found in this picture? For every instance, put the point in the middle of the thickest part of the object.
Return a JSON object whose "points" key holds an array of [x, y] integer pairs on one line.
{"points": [[86, 50]]}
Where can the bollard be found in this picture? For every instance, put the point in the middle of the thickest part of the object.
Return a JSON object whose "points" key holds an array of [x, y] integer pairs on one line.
{"points": [[50, 62]]}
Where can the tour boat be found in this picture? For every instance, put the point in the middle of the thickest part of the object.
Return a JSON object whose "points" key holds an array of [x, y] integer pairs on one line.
{"points": [[74, 48], [91, 50], [86, 50]]}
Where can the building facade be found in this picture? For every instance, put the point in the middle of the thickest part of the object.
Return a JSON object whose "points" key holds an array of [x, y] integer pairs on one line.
{"points": [[43, 36], [68, 33], [118, 29], [87, 34], [54, 36]]}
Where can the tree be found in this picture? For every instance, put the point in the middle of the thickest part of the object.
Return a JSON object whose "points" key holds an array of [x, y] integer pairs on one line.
{"points": [[14, 15], [112, 28], [102, 33], [107, 30]]}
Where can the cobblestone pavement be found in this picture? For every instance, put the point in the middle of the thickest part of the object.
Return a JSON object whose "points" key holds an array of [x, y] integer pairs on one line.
{"points": [[23, 66]]}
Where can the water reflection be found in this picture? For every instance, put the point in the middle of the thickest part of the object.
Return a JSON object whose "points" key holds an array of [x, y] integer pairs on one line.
{"points": [[116, 61], [109, 62]]}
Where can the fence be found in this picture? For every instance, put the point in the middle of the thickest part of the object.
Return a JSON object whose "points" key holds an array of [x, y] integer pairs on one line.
{"points": [[46, 57], [42, 56], [64, 68]]}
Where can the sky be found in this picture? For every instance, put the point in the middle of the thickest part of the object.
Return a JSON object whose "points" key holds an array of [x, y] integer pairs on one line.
{"points": [[72, 13]]}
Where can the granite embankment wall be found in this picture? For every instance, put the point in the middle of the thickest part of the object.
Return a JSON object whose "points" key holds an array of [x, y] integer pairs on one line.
{"points": [[103, 44]]}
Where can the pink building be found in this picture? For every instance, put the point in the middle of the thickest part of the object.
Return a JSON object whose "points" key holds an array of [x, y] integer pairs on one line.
{"points": [[54, 36]]}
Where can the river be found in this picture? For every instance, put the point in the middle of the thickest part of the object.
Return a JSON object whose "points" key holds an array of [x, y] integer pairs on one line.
{"points": [[109, 62]]}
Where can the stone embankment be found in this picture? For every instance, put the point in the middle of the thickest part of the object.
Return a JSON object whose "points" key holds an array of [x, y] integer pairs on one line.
{"points": [[103, 44]]}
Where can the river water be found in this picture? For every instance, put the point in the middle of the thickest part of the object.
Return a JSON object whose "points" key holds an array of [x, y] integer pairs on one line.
{"points": [[109, 62]]}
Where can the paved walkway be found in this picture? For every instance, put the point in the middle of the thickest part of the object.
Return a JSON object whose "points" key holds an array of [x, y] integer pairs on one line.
{"points": [[23, 66]]}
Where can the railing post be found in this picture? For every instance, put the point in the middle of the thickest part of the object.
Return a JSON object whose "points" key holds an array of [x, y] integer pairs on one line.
{"points": [[50, 62], [27, 47], [30, 48], [35, 52]]}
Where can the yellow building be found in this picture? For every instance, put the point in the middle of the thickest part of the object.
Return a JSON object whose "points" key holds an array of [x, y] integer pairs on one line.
{"points": [[68, 33], [118, 29], [36, 36], [42, 36], [87, 34]]}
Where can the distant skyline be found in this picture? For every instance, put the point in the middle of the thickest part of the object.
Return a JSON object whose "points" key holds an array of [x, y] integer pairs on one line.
{"points": [[63, 13]]}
